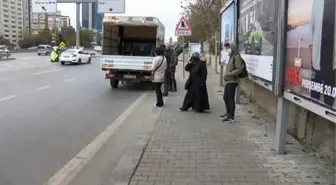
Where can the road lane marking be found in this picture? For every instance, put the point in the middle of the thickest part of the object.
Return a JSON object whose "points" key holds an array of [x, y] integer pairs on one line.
{"points": [[48, 71], [70, 79], [65, 175], [4, 79], [42, 88], [7, 98]]}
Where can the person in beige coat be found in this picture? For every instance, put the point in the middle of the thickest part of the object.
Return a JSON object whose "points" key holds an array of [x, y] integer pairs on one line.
{"points": [[159, 67]]}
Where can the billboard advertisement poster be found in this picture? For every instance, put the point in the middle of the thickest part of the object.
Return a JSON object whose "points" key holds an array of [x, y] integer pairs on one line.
{"points": [[194, 47], [227, 31], [257, 36], [311, 51]]}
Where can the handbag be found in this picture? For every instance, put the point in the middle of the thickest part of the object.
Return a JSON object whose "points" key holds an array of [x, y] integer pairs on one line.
{"points": [[157, 67], [187, 84]]}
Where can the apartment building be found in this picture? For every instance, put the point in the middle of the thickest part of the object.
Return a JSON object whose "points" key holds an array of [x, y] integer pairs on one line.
{"points": [[27, 13], [65, 21], [11, 20], [41, 21]]}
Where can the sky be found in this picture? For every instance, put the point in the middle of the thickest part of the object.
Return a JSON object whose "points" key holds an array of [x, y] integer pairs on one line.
{"points": [[168, 11]]}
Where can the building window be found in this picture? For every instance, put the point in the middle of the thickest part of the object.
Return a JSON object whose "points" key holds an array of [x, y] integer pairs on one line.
{"points": [[6, 30], [14, 36]]}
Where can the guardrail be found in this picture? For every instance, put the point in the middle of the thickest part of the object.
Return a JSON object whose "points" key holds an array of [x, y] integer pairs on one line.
{"points": [[22, 50], [34, 50], [6, 56]]}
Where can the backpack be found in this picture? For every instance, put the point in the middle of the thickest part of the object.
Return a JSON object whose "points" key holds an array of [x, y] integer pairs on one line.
{"points": [[244, 72]]}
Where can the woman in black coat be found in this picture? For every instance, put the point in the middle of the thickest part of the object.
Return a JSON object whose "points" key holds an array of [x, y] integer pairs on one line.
{"points": [[197, 94]]}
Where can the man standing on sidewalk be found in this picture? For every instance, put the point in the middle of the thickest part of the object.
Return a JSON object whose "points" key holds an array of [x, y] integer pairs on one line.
{"points": [[172, 69], [231, 78]]}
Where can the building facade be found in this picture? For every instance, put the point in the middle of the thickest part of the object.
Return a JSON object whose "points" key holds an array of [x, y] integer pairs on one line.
{"points": [[91, 19], [50, 21], [26, 4], [11, 20], [65, 21]]}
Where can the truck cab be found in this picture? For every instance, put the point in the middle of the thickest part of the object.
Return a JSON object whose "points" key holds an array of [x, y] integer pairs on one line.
{"points": [[128, 47]]}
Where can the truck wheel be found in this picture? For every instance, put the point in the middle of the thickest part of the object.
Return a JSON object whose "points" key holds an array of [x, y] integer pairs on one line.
{"points": [[62, 63], [114, 83]]}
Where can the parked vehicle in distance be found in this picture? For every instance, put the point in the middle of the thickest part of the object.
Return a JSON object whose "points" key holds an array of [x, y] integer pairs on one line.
{"points": [[74, 56], [4, 52], [98, 49], [43, 50], [33, 48], [4, 49]]}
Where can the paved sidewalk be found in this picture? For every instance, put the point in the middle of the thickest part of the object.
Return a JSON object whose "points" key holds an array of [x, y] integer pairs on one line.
{"points": [[190, 149]]}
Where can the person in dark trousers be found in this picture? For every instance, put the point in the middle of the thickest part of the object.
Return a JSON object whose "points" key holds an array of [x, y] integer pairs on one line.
{"points": [[197, 94], [233, 69], [172, 69], [166, 76], [158, 71]]}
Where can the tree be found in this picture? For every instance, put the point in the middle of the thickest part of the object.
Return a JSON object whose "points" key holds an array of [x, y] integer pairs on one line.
{"points": [[86, 37], [204, 20], [170, 42], [4, 41], [69, 36]]}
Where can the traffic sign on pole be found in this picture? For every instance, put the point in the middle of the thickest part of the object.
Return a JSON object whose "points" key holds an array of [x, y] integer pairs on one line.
{"points": [[111, 6], [44, 6], [182, 28]]}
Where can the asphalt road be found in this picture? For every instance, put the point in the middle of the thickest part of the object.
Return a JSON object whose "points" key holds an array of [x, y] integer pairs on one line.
{"points": [[49, 113]]}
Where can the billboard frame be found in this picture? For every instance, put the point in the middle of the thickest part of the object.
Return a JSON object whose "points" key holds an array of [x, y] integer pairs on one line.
{"points": [[269, 85], [226, 6], [304, 102]]}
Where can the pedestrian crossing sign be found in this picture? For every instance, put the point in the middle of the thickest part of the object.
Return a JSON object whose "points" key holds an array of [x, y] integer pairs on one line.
{"points": [[182, 28], [53, 56], [62, 46]]}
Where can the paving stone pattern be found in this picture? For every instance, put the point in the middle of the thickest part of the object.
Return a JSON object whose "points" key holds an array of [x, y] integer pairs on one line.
{"points": [[198, 149]]}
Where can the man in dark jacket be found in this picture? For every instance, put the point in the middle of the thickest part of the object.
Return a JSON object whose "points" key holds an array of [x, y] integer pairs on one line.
{"points": [[233, 68], [172, 69]]}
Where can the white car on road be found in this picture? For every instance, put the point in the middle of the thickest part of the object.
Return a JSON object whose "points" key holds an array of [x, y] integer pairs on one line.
{"points": [[75, 56]]}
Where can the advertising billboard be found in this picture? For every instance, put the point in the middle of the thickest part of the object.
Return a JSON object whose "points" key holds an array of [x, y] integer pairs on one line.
{"points": [[227, 30], [257, 36], [311, 51]]}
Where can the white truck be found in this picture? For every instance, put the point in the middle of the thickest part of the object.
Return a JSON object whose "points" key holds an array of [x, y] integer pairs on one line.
{"points": [[128, 47]]}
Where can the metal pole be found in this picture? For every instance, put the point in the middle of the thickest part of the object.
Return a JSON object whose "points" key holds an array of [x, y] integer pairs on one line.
{"points": [[216, 65], [279, 68], [236, 17], [55, 27], [77, 25], [237, 96], [183, 71], [281, 125]]}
